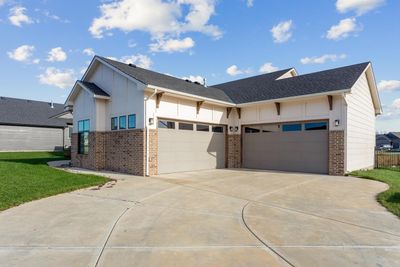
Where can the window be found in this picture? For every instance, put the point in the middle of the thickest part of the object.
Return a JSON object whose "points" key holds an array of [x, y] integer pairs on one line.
{"points": [[122, 122], [185, 126], [217, 129], [291, 127], [312, 126], [114, 123], [83, 136], [251, 129], [271, 128], [132, 121], [202, 128], [166, 124]]}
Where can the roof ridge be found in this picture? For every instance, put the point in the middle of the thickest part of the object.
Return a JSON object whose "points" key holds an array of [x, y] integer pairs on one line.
{"points": [[334, 69], [31, 100]]}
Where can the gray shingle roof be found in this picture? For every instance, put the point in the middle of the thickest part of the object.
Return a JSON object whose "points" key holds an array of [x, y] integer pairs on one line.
{"points": [[30, 113], [94, 88], [154, 78], [265, 87], [253, 89]]}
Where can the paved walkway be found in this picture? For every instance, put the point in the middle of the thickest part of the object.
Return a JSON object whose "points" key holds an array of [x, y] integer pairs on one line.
{"points": [[206, 218]]}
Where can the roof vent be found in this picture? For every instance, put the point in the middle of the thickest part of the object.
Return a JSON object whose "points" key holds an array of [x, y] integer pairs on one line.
{"points": [[197, 83], [189, 81], [132, 65], [51, 104], [2, 98]]}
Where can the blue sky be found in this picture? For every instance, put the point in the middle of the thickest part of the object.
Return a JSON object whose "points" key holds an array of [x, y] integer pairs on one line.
{"points": [[45, 45]]}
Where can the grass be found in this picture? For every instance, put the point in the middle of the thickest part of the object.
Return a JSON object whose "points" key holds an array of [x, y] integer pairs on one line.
{"points": [[391, 176], [25, 176]]}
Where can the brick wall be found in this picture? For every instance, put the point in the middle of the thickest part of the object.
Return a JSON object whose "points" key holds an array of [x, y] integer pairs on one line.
{"points": [[120, 151], [95, 158], [336, 153], [233, 150], [124, 151]]}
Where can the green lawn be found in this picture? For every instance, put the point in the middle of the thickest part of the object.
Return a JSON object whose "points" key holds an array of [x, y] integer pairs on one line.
{"points": [[25, 176], [390, 198]]}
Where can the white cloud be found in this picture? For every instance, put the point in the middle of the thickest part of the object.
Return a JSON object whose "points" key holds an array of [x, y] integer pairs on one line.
{"points": [[267, 68], [343, 29], [57, 54], [2, 2], [234, 70], [282, 32], [396, 104], [89, 52], [250, 3], [389, 85], [140, 60], [359, 6], [172, 45], [18, 17], [23, 53], [159, 18], [322, 59], [194, 78], [59, 78]]}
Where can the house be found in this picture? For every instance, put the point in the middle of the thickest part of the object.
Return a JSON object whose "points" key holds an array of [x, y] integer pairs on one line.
{"points": [[395, 138], [383, 141], [129, 119], [27, 125]]}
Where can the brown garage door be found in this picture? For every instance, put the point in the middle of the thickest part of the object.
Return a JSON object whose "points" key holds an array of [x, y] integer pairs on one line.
{"points": [[298, 147], [184, 146]]}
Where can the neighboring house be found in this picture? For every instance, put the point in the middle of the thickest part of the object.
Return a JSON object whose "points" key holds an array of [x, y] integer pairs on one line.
{"points": [[133, 120], [26, 125], [395, 138], [383, 141]]}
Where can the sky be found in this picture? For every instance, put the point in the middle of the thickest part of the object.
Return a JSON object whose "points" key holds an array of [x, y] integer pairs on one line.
{"points": [[46, 45]]}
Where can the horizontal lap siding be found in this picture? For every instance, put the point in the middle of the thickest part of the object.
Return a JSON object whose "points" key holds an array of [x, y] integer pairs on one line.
{"points": [[22, 138], [360, 127]]}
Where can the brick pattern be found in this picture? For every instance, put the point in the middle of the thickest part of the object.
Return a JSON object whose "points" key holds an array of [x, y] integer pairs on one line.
{"points": [[95, 158], [336, 153], [124, 151], [233, 150], [153, 152], [120, 151]]}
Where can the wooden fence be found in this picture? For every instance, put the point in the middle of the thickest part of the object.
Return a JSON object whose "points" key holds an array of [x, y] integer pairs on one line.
{"points": [[387, 159]]}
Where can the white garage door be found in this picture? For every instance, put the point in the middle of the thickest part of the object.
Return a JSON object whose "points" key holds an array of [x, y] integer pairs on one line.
{"points": [[298, 147], [184, 146]]}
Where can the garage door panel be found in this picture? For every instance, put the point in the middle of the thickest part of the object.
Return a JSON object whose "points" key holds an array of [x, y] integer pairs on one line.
{"points": [[186, 150], [303, 151]]}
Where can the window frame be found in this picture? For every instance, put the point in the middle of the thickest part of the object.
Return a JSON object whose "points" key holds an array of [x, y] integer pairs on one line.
{"points": [[83, 136], [214, 127], [190, 125], [122, 119], [114, 122], [129, 124], [165, 124], [206, 128]]}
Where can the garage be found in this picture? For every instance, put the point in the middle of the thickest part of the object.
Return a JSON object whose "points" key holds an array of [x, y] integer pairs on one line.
{"points": [[187, 146], [296, 147]]}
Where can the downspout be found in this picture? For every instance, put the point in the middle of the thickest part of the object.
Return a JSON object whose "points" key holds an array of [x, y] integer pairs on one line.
{"points": [[147, 130]]}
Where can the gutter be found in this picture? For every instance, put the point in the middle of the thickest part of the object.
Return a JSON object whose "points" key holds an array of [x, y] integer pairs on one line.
{"points": [[147, 130]]}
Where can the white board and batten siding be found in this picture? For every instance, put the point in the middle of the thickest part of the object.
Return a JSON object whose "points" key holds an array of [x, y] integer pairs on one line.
{"points": [[24, 138], [185, 110], [126, 98], [360, 132], [299, 110]]}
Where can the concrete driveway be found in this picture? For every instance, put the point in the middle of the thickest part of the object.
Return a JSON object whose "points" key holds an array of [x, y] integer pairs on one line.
{"points": [[206, 218]]}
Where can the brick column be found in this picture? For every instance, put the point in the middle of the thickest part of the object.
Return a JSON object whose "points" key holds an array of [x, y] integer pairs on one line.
{"points": [[153, 152], [336, 153], [233, 150]]}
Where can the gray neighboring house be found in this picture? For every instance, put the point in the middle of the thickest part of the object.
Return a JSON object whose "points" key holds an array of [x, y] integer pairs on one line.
{"points": [[395, 138], [382, 141], [27, 125]]}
